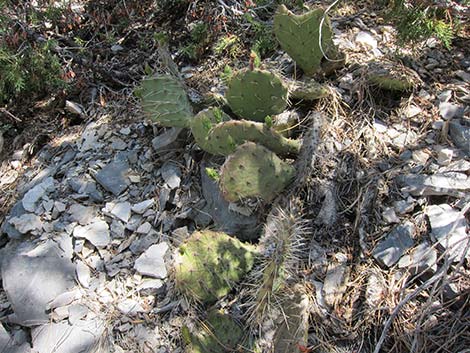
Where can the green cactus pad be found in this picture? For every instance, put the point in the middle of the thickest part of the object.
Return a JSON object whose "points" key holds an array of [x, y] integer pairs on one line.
{"points": [[203, 123], [223, 138], [392, 76], [254, 171], [208, 264], [254, 94], [164, 100], [293, 330], [308, 90], [218, 334], [298, 36]]}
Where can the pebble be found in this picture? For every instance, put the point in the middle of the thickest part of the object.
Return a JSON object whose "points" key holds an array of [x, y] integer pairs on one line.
{"points": [[449, 111], [130, 307], [460, 135], [144, 228], [151, 262], [36, 193], [444, 156], [421, 259]]}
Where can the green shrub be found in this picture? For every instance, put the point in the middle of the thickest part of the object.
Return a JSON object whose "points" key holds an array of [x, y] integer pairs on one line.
{"points": [[417, 22]]}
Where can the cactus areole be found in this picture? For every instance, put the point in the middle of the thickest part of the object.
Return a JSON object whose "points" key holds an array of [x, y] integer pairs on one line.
{"points": [[255, 94], [299, 36]]}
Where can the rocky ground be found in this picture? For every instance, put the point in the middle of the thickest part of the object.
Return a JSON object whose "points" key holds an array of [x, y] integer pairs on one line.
{"points": [[87, 246]]}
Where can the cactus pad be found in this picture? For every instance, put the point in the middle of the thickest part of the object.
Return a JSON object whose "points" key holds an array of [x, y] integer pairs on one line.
{"points": [[298, 36], [254, 171], [255, 94], [208, 264], [392, 76], [218, 334], [222, 138], [293, 330], [308, 90], [164, 100]]}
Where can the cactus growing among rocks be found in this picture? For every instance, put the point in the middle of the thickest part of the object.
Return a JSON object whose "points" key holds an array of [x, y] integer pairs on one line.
{"points": [[279, 258], [299, 36], [219, 333], [255, 94], [164, 100], [208, 264], [214, 134], [254, 171]]}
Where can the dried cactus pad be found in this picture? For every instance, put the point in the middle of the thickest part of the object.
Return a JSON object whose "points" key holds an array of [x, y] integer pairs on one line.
{"points": [[299, 37], [255, 94], [218, 136], [208, 264], [308, 90], [254, 171], [218, 334], [392, 76], [164, 100]]}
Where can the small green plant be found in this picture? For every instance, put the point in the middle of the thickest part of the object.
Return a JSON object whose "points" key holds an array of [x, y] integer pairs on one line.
{"points": [[32, 70], [226, 75], [229, 44], [196, 45], [263, 38], [417, 22], [213, 174]]}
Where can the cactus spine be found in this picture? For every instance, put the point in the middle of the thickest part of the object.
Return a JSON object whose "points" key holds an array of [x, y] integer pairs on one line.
{"points": [[164, 100], [299, 36], [279, 258], [208, 264], [254, 171], [255, 94]]}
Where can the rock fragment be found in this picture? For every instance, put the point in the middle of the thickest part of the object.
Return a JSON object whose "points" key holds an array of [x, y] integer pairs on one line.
{"points": [[31, 197], [26, 223], [143, 206], [113, 177], [96, 233], [171, 173], [396, 243], [448, 228], [165, 140], [151, 262]]}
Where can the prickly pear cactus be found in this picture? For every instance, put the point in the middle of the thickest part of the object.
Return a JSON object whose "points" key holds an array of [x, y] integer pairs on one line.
{"points": [[208, 264], [292, 332], [308, 90], [392, 76], [164, 100], [299, 36], [203, 123], [217, 334], [214, 134], [255, 94], [279, 249], [254, 171]]}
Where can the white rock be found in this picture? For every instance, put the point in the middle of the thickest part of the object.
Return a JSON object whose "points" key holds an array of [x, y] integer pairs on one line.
{"points": [[412, 111], [150, 284], [122, 210], [83, 274], [151, 262], [96, 233], [77, 312], [171, 173], [143, 206], [366, 38], [130, 307], [444, 156], [63, 299], [36, 193], [26, 223]]}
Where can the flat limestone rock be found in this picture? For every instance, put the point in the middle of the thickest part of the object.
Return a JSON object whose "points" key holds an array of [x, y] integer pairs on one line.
{"points": [[31, 197], [151, 262], [8, 228], [113, 177], [453, 184], [448, 228], [396, 243], [26, 223], [81, 337], [96, 233], [32, 278], [233, 223]]}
